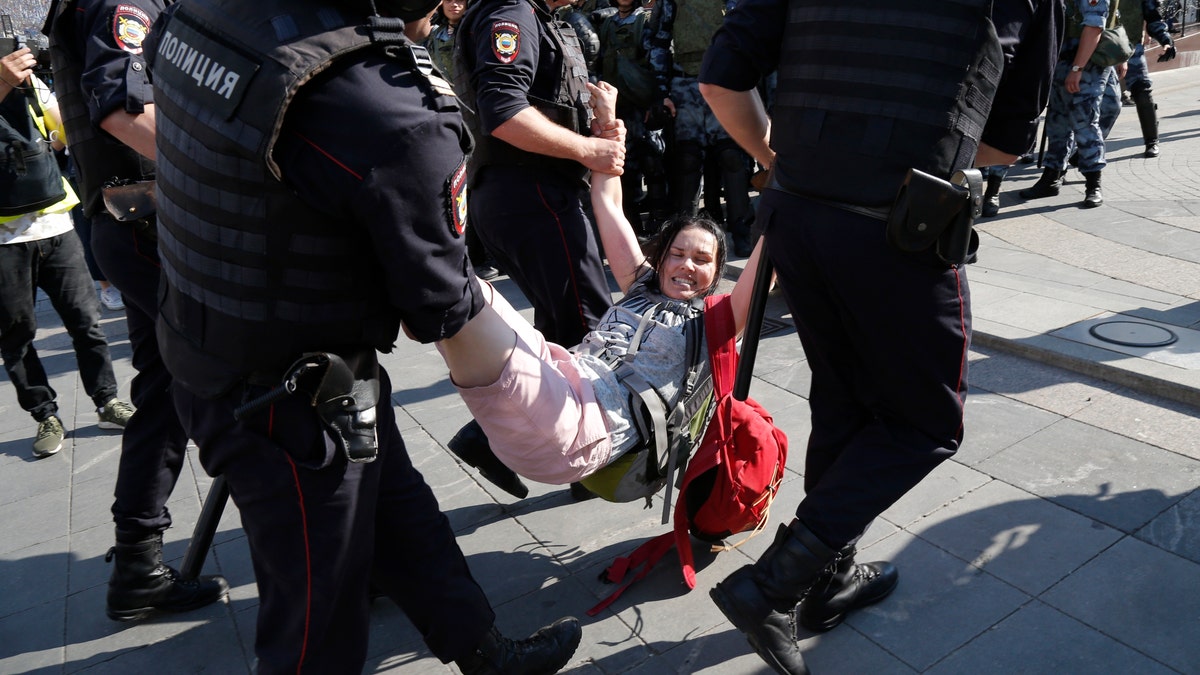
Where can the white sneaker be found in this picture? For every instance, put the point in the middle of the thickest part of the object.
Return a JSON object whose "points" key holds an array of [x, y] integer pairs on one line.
{"points": [[110, 297]]}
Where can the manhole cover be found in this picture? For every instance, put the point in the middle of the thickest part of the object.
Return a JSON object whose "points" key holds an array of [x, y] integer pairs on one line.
{"points": [[1133, 334]]}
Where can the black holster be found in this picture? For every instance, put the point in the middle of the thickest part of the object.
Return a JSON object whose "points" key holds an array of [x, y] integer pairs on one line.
{"points": [[344, 392], [132, 201], [932, 213]]}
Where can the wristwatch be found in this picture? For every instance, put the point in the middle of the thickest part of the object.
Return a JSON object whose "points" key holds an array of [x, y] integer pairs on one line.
{"points": [[1076, 69]]}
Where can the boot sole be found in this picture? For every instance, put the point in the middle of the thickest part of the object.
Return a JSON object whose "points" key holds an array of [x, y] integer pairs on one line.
{"points": [[144, 612], [1040, 195], [112, 426], [717, 594], [829, 623]]}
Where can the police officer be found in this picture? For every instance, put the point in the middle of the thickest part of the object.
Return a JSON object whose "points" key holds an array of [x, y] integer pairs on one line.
{"points": [[440, 42], [312, 179], [886, 331], [1073, 115], [676, 37], [1135, 16], [522, 73], [108, 110], [624, 63]]}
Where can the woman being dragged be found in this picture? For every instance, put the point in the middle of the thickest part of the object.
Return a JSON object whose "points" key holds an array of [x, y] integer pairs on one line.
{"points": [[555, 414]]}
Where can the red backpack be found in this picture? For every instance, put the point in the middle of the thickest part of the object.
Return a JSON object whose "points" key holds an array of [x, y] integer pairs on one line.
{"points": [[733, 477]]}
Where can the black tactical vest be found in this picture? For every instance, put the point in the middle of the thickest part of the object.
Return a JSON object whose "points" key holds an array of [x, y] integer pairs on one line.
{"points": [[98, 156], [29, 177], [255, 277], [696, 21], [569, 107], [870, 89]]}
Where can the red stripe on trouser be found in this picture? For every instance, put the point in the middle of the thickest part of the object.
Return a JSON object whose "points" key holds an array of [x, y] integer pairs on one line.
{"points": [[307, 548], [562, 235], [962, 363]]}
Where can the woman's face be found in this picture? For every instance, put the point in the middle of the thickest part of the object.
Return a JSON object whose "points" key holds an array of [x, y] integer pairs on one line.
{"points": [[454, 9], [690, 265]]}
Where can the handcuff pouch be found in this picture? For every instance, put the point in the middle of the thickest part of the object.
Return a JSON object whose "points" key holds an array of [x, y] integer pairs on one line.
{"points": [[932, 213]]}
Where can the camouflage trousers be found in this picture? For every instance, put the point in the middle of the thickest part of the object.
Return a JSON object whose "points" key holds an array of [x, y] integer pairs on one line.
{"points": [[1110, 103], [1073, 120]]}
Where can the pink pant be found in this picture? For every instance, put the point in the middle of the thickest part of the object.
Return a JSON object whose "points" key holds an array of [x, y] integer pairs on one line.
{"points": [[541, 416]]}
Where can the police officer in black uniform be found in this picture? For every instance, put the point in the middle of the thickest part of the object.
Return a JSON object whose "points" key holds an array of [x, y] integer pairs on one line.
{"points": [[312, 176], [886, 331], [522, 73], [108, 110], [523, 77]]}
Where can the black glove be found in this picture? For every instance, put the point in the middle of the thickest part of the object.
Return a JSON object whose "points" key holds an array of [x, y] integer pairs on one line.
{"points": [[1168, 53]]}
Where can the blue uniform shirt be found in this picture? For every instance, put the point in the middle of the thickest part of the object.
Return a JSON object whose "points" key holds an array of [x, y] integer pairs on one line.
{"points": [[115, 76], [514, 58], [364, 140]]}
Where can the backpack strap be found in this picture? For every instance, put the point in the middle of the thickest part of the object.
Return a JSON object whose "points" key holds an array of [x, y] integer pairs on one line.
{"points": [[721, 330], [661, 429], [645, 556]]}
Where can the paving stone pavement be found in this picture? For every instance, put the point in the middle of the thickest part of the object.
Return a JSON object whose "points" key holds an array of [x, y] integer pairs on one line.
{"points": [[1064, 537]]}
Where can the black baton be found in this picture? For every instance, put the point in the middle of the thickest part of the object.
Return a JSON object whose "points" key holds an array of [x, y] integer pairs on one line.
{"points": [[754, 320]]}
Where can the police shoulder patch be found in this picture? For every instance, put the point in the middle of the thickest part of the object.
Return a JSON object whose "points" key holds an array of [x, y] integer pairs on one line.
{"points": [[506, 41], [456, 194], [130, 27]]}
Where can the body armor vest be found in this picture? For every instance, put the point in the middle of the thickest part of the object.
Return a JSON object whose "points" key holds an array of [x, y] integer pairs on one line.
{"points": [[256, 277], [98, 156], [569, 108], [1132, 17], [868, 92], [696, 21], [624, 64], [29, 176], [441, 49]]}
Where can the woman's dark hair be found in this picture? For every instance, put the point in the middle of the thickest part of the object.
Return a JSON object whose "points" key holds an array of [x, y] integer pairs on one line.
{"points": [[660, 245]]}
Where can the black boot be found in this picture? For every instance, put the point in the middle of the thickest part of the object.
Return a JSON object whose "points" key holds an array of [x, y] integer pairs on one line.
{"points": [[843, 586], [1091, 196], [471, 445], [542, 653], [991, 197], [1047, 186], [141, 583], [760, 599], [1147, 112]]}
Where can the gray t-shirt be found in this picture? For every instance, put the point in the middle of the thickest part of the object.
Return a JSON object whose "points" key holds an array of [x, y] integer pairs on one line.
{"points": [[661, 359]]}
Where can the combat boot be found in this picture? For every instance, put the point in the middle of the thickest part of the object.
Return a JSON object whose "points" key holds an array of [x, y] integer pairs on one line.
{"points": [[142, 584], [1091, 196], [542, 653], [1147, 111], [845, 585], [471, 445], [991, 197], [760, 599], [1047, 186]]}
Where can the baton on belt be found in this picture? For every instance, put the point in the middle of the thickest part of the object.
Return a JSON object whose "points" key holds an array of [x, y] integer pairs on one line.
{"points": [[218, 496]]}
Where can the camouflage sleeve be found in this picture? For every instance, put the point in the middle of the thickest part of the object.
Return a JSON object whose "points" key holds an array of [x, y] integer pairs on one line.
{"points": [[656, 38], [1155, 26]]}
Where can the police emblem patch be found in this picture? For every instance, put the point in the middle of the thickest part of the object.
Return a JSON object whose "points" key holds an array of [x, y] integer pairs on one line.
{"points": [[456, 192], [506, 41], [130, 27]]}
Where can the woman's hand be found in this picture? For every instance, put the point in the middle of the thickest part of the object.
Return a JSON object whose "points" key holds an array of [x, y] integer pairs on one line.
{"points": [[603, 102]]}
